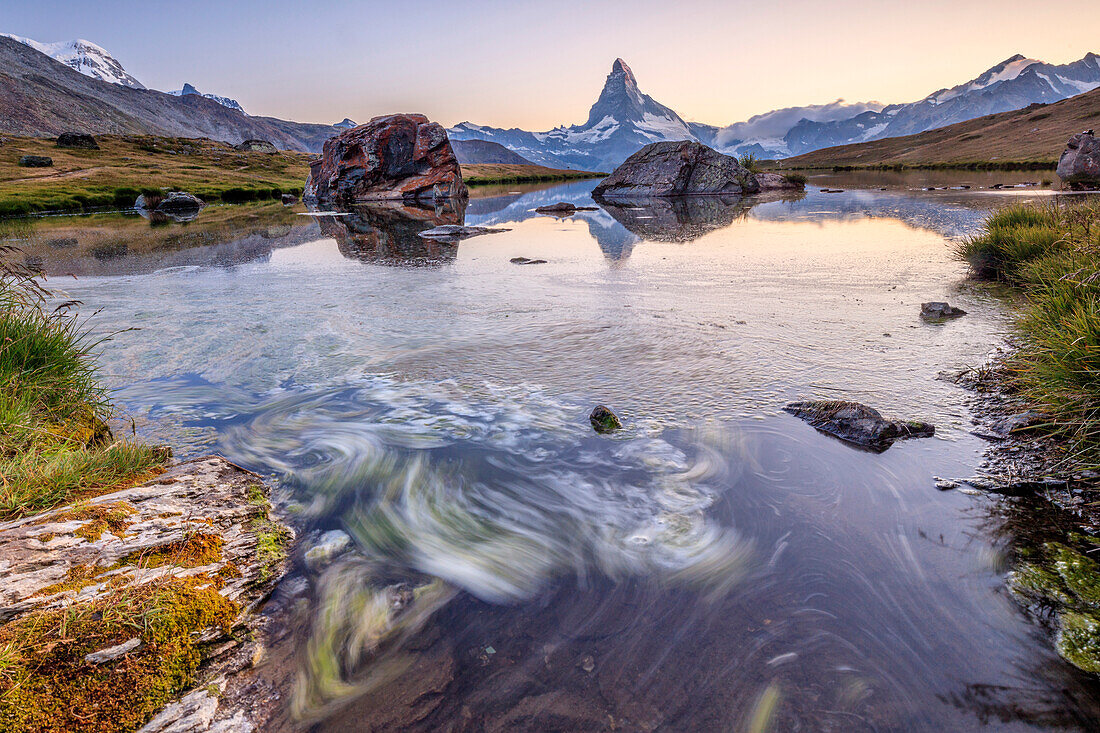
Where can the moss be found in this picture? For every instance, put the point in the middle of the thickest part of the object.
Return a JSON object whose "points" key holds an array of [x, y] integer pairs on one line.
{"points": [[272, 539], [195, 550], [46, 686], [1070, 582], [98, 518], [1079, 640]]}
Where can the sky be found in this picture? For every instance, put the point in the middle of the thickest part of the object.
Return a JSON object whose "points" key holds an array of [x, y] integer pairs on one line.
{"points": [[535, 64]]}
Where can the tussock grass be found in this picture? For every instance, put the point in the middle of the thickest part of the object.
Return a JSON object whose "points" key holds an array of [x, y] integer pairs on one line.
{"points": [[55, 445], [1052, 253]]}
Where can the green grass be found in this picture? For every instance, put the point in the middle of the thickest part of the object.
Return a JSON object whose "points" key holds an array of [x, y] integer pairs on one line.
{"points": [[126, 165], [1052, 254], [55, 445]]}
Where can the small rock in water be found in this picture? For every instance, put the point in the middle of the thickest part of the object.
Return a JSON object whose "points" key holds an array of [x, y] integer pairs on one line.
{"points": [[526, 261], [858, 424], [604, 420], [1010, 424], [938, 309], [330, 544], [562, 208], [289, 199], [454, 232]]}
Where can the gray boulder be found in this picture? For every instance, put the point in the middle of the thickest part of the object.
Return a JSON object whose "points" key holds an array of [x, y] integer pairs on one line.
{"points": [[938, 310], [1079, 166], [681, 168], [77, 140], [256, 146], [858, 424], [36, 161], [777, 182]]}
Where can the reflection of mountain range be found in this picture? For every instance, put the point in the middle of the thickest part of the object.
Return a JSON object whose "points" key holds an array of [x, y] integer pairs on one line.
{"points": [[388, 232], [681, 219]]}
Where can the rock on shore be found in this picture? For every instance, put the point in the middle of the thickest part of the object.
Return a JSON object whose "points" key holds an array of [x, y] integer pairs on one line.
{"points": [[1079, 166], [202, 529], [685, 168], [392, 157]]}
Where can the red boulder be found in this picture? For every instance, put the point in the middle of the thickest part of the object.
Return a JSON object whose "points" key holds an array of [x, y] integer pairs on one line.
{"points": [[392, 157]]}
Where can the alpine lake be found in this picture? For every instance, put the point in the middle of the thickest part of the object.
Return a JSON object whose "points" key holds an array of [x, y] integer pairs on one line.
{"points": [[717, 564]]}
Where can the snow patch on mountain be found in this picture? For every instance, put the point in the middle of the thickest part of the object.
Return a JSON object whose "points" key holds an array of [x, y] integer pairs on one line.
{"points": [[223, 101], [766, 131], [84, 56]]}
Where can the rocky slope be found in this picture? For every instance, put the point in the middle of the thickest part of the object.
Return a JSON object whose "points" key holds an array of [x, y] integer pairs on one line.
{"points": [[41, 97]]}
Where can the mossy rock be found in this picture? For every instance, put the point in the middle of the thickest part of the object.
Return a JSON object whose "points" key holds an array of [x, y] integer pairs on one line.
{"points": [[1079, 641]]}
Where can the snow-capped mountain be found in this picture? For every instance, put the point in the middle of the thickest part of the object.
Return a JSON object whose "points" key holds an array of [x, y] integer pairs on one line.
{"points": [[345, 124], [84, 56], [1012, 84], [621, 121], [223, 101]]}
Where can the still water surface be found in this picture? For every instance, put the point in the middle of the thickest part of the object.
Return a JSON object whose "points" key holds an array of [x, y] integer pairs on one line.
{"points": [[716, 564]]}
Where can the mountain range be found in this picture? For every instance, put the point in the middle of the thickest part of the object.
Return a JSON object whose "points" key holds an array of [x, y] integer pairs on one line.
{"points": [[48, 88], [42, 97], [624, 119]]}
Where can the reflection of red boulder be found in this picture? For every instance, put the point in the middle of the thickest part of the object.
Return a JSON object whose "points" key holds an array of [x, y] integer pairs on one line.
{"points": [[393, 157], [388, 232]]}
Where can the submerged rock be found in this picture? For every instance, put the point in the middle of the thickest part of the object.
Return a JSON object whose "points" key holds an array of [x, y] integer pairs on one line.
{"points": [[77, 140], [1079, 166], [526, 261], [562, 208], [289, 199], [36, 161], [393, 157], [328, 546], [938, 310], [604, 420], [456, 232], [856, 423]]}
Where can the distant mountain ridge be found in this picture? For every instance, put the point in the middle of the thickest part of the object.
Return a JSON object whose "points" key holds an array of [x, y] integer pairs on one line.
{"points": [[482, 151], [1012, 84]]}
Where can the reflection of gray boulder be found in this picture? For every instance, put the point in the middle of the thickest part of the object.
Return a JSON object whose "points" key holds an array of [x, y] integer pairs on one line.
{"points": [[683, 218], [676, 219], [388, 232]]}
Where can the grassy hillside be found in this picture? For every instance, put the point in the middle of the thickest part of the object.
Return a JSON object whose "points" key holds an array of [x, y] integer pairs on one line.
{"points": [[126, 165], [477, 174], [1028, 137]]}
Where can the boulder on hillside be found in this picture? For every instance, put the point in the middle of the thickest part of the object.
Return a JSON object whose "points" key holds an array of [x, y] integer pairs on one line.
{"points": [[256, 146], [79, 140], [36, 161], [393, 157], [1079, 166], [685, 168]]}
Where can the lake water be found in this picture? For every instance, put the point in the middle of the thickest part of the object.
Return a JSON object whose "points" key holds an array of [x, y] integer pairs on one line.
{"points": [[716, 565]]}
